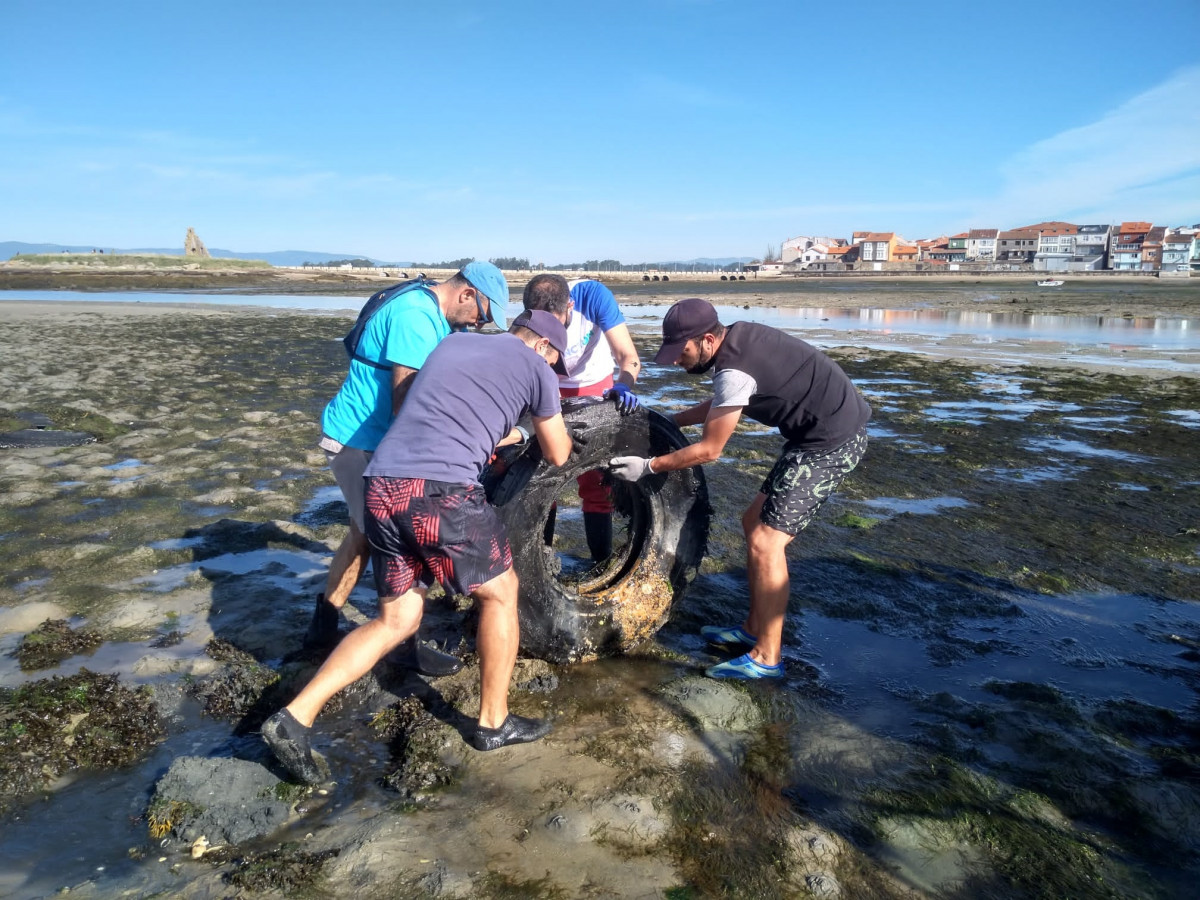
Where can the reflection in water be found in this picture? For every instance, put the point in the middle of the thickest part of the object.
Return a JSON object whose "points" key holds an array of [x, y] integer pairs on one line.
{"points": [[1145, 332]]}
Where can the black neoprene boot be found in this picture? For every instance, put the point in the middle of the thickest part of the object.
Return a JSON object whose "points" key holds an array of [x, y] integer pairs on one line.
{"points": [[513, 730], [424, 660], [597, 527], [323, 629]]}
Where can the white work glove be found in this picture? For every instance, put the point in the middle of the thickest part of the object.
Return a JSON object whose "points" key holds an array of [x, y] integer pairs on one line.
{"points": [[630, 468]]}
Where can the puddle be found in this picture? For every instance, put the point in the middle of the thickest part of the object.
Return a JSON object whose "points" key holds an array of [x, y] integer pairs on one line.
{"points": [[1099, 423], [186, 543], [1079, 448], [880, 431], [991, 383], [931, 506], [1036, 474], [298, 564], [323, 496], [1189, 418], [125, 464], [976, 411], [1094, 647]]}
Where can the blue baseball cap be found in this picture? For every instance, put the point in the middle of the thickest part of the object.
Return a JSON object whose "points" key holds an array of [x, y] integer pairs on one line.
{"points": [[486, 278]]}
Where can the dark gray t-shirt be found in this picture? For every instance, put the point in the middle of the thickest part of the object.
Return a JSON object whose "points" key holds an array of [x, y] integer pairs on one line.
{"points": [[469, 394]]}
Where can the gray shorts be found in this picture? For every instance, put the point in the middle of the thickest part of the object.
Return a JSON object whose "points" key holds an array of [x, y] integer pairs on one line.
{"points": [[347, 466], [802, 480]]}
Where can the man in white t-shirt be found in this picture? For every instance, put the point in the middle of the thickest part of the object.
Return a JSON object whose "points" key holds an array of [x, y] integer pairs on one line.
{"points": [[598, 341]]}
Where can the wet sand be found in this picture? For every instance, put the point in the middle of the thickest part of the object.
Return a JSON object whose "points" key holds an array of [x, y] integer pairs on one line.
{"points": [[993, 645]]}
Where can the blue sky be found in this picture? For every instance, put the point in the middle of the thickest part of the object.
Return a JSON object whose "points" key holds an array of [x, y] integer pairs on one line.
{"points": [[640, 131]]}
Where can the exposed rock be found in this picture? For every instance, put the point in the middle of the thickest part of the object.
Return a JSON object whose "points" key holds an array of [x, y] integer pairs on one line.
{"points": [[193, 246], [226, 801], [821, 884]]}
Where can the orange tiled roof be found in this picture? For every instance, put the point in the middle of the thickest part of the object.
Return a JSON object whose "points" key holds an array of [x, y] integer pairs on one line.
{"points": [[956, 237], [878, 235], [837, 251], [977, 233], [1134, 227], [1051, 228]]}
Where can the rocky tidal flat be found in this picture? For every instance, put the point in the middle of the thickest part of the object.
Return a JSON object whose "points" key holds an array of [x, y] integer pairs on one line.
{"points": [[993, 648]]}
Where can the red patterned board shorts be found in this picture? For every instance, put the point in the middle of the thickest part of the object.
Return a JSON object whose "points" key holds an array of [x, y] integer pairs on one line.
{"points": [[420, 529]]}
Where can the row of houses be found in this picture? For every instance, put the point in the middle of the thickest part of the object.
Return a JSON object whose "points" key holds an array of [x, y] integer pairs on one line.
{"points": [[1044, 247]]}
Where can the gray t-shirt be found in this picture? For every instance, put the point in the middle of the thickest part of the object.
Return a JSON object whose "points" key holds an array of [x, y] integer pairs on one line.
{"points": [[732, 387], [469, 394]]}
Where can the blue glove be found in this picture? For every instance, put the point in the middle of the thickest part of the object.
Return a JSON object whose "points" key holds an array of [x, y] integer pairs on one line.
{"points": [[624, 397]]}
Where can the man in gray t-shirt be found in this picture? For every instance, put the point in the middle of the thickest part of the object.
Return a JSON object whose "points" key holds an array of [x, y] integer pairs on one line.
{"points": [[427, 518]]}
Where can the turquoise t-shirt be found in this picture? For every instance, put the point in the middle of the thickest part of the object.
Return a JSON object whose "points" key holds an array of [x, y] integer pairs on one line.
{"points": [[403, 333]]}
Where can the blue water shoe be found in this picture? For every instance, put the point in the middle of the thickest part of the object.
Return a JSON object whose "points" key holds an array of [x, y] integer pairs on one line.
{"points": [[744, 667]]}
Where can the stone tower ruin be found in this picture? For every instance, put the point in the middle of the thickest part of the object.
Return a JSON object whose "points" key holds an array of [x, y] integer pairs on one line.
{"points": [[193, 246]]}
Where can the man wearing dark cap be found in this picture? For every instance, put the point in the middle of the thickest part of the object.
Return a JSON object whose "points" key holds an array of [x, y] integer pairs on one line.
{"points": [[391, 349], [427, 518], [781, 381]]}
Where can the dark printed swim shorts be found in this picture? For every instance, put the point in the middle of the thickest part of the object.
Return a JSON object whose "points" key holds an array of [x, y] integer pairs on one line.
{"points": [[420, 528], [800, 482]]}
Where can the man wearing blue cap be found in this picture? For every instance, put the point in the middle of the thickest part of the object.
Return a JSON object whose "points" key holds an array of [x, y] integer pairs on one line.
{"points": [[427, 518], [393, 345]]}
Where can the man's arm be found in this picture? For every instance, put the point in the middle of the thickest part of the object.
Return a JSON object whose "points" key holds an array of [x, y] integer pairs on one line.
{"points": [[516, 435], [402, 379], [717, 428], [553, 437], [624, 354], [693, 415]]}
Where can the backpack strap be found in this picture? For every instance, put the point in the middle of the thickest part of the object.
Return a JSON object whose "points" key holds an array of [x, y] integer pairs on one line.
{"points": [[376, 302]]}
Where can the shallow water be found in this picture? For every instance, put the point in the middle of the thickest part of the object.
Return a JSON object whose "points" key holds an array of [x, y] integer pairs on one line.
{"points": [[994, 336], [1091, 646]]}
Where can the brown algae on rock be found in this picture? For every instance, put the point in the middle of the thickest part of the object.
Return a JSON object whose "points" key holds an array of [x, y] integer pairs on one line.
{"points": [[61, 724], [52, 642]]}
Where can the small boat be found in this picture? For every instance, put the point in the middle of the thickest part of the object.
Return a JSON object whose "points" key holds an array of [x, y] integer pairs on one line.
{"points": [[1050, 282]]}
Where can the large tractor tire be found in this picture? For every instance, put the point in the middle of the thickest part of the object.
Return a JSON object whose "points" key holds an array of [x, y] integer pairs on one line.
{"points": [[621, 602]]}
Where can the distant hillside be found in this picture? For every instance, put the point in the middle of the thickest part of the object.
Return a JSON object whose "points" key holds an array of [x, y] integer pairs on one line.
{"points": [[9, 249]]}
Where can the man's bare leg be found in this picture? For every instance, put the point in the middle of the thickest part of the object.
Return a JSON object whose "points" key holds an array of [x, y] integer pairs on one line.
{"points": [[346, 567], [359, 651], [497, 641], [287, 732], [770, 586]]}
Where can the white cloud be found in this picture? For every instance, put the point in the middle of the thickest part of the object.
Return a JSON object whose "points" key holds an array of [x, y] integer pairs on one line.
{"points": [[1139, 161]]}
